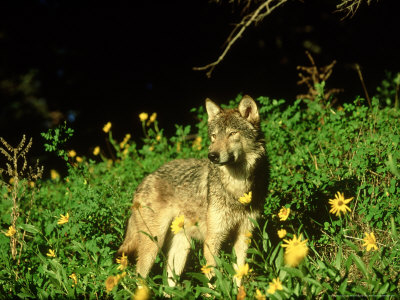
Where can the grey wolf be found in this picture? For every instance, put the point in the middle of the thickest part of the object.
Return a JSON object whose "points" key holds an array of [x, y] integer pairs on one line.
{"points": [[206, 192]]}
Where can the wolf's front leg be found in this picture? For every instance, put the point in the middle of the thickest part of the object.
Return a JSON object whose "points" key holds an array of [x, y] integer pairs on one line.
{"points": [[241, 245], [177, 254], [212, 245]]}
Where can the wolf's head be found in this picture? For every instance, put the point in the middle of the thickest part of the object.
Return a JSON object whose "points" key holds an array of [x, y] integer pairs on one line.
{"points": [[235, 133]]}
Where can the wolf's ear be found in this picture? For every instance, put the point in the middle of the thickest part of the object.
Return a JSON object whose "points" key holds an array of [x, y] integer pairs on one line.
{"points": [[212, 109], [248, 109]]}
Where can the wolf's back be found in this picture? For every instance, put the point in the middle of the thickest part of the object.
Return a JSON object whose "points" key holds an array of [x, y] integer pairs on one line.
{"points": [[179, 182]]}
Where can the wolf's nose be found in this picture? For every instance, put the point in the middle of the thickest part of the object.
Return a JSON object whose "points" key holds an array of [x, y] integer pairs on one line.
{"points": [[214, 157]]}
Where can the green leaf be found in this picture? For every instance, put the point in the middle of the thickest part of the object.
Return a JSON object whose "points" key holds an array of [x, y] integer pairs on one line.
{"points": [[274, 254], [392, 163], [383, 289], [205, 291], [394, 229], [312, 281], [200, 277], [30, 228], [360, 290], [338, 259], [279, 259], [25, 294], [351, 245], [294, 272], [360, 264], [222, 282], [348, 263], [342, 287], [373, 259]]}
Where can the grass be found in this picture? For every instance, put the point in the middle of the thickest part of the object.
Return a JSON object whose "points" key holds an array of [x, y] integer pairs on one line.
{"points": [[315, 151]]}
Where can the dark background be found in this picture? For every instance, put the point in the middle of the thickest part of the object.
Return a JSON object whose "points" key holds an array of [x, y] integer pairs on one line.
{"points": [[95, 61]]}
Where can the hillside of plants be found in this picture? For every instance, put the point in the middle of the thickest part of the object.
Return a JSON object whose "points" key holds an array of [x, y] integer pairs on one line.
{"points": [[330, 226]]}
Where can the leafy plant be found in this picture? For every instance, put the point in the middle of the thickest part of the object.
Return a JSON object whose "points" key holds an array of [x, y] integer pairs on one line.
{"points": [[75, 225], [388, 91], [56, 138]]}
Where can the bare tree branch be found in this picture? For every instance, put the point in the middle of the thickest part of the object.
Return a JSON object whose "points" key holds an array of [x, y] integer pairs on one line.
{"points": [[257, 15], [350, 7], [264, 8]]}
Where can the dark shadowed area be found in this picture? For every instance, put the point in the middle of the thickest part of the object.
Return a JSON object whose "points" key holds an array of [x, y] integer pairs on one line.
{"points": [[91, 62]]}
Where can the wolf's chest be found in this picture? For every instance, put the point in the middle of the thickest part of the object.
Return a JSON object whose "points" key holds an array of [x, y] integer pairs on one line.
{"points": [[234, 186]]}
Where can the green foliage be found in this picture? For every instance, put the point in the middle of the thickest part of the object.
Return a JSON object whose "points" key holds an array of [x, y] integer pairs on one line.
{"points": [[56, 138], [314, 152], [388, 91]]}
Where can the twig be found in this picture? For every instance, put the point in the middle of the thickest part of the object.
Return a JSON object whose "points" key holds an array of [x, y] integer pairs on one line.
{"points": [[311, 76], [351, 6], [251, 18], [363, 84]]}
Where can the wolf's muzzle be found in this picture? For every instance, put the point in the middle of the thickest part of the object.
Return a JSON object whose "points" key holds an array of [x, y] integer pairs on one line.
{"points": [[214, 157]]}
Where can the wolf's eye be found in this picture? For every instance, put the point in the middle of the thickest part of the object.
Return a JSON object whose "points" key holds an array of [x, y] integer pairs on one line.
{"points": [[232, 133]]}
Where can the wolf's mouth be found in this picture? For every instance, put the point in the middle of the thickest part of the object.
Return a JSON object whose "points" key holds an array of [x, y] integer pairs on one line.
{"points": [[215, 158]]}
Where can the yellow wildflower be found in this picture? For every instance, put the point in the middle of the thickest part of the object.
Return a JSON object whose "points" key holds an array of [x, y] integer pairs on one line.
{"points": [[248, 235], [197, 143], [51, 253], [259, 295], [143, 116], [125, 140], [339, 204], [296, 250], [276, 284], [111, 282], [246, 198], [242, 271], [79, 159], [54, 174], [123, 262], [206, 269], [122, 275], [96, 150], [370, 241], [158, 137], [153, 117], [72, 153], [284, 213], [177, 224], [141, 293], [63, 219], [11, 231], [74, 278], [282, 233], [107, 127], [31, 184]]}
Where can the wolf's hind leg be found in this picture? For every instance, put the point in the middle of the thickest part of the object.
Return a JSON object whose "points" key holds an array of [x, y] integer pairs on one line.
{"points": [[129, 246], [177, 255], [151, 241], [147, 253]]}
